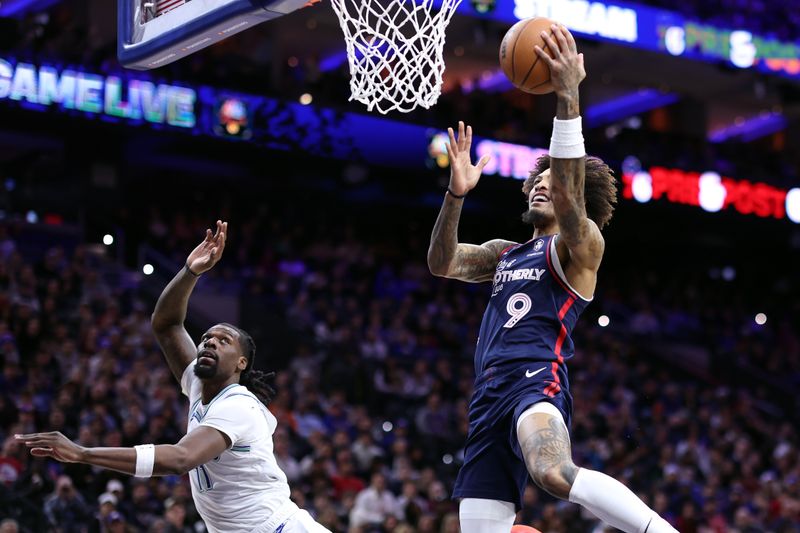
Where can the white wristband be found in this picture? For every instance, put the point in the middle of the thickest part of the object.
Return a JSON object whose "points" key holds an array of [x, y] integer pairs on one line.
{"points": [[145, 460], [567, 140]]}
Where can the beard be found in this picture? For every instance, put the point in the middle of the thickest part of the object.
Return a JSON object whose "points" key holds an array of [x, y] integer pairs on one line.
{"points": [[206, 371], [534, 217]]}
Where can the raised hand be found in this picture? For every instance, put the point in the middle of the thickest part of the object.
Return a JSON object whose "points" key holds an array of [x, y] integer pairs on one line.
{"points": [[209, 251], [52, 444], [464, 175], [566, 64]]}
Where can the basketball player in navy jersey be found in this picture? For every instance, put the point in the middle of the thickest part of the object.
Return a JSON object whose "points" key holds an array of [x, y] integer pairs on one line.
{"points": [[521, 405]]}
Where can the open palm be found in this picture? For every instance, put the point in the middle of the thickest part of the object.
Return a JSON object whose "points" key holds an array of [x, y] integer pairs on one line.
{"points": [[209, 251], [52, 444], [464, 175]]}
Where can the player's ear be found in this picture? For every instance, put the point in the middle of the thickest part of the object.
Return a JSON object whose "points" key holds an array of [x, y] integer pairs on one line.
{"points": [[242, 364]]}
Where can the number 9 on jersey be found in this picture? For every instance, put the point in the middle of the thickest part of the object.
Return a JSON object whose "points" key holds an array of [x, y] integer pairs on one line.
{"points": [[518, 306]]}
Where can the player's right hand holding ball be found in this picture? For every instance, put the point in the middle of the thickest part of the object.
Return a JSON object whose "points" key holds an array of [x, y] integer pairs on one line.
{"points": [[464, 175], [566, 64]]}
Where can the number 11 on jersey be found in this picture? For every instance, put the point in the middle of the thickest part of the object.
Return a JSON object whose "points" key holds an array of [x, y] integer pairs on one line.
{"points": [[204, 483]]}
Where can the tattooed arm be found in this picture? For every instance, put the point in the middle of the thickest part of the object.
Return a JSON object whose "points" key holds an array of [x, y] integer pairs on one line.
{"points": [[466, 262], [581, 235], [446, 257]]}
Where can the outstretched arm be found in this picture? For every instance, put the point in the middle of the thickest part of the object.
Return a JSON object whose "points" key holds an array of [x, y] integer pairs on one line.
{"points": [[567, 166], [446, 256], [170, 311], [466, 262], [197, 448]]}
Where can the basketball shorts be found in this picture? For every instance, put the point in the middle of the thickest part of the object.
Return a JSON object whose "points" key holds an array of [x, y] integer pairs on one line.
{"points": [[301, 522], [493, 466]]}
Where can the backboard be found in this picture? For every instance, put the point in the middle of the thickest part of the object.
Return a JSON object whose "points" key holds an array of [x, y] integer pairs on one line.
{"points": [[154, 33]]}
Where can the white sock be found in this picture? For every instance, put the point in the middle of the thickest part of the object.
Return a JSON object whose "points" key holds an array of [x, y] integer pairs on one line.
{"points": [[478, 515], [615, 504]]}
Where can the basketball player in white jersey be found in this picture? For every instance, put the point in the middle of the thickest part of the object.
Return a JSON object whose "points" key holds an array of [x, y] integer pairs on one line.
{"points": [[237, 485]]}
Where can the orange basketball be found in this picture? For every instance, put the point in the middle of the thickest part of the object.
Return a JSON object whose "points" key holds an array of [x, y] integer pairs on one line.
{"points": [[519, 60], [519, 528]]}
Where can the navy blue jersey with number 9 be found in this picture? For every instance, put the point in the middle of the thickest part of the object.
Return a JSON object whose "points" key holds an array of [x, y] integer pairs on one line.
{"points": [[530, 314]]}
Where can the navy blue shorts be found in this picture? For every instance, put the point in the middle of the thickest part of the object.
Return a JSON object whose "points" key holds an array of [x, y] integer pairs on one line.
{"points": [[493, 465]]}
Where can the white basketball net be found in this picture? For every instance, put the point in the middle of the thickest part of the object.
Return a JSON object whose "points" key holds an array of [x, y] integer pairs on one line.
{"points": [[395, 50]]}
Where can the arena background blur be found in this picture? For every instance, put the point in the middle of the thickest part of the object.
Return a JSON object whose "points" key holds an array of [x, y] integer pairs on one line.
{"points": [[688, 361]]}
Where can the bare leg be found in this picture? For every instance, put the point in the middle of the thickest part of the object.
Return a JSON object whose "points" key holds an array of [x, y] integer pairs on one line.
{"points": [[548, 453], [546, 447]]}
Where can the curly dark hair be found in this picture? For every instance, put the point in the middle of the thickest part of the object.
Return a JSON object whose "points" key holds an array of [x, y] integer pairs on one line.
{"points": [[600, 187], [259, 383]]}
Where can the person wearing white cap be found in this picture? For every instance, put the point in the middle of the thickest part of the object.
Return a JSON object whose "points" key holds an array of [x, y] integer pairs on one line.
{"points": [[115, 487], [108, 504], [107, 499]]}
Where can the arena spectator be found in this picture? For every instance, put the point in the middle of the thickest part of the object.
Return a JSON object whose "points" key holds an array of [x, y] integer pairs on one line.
{"points": [[374, 504], [66, 509], [9, 525], [175, 517]]}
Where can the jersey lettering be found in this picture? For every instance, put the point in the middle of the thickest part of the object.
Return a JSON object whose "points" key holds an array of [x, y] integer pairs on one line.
{"points": [[533, 274]]}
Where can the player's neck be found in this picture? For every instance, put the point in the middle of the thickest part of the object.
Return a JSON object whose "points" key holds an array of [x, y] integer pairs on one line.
{"points": [[541, 231], [212, 388]]}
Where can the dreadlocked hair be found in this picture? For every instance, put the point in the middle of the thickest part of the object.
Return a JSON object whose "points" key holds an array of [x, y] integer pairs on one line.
{"points": [[259, 383], [600, 187], [262, 384]]}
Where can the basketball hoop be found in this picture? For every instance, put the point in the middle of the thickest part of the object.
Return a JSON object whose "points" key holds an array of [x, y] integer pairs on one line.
{"points": [[395, 51]]}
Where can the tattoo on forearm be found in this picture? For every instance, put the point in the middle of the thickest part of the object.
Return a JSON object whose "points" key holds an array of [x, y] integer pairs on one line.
{"points": [[548, 455], [474, 264], [569, 176], [444, 239], [467, 262], [572, 226], [568, 107]]}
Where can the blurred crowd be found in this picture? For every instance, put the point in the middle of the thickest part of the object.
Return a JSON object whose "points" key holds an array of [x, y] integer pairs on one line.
{"points": [[374, 376]]}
